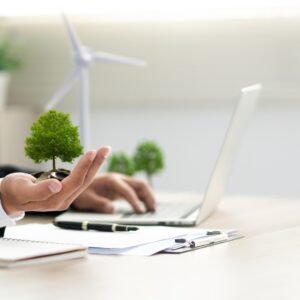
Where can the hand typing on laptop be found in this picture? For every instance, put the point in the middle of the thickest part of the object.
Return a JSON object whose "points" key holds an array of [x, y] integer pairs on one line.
{"points": [[111, 186]]}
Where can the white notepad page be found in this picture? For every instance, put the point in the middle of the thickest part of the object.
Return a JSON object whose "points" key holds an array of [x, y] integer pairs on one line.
{"points": [[15, 252]]}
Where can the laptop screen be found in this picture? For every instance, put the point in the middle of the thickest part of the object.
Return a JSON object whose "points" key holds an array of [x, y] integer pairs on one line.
{"points": [[219, 179]]}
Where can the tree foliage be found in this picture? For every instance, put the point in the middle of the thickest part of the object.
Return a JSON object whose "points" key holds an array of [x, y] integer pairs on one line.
{"points": [[149, 158], [121, 163], [9, 59], [53, 136]]}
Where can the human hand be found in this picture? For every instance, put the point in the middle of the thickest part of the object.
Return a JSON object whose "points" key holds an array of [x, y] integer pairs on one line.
{"points": [[104, 188], [19, 192]]}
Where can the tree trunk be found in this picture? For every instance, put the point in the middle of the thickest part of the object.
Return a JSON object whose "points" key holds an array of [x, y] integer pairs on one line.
{"points": [[53, 164], [149, 177]]}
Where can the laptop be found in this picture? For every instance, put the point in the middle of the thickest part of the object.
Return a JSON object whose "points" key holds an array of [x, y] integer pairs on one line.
{"points": [[185, 210]]}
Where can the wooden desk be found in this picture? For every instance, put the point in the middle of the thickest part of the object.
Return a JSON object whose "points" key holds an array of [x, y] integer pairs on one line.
{"points": [[263, 265]]}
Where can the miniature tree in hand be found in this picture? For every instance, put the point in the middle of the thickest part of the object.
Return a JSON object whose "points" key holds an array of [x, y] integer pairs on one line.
{"points": [[53, 136], [121, 163], [148, 158]]}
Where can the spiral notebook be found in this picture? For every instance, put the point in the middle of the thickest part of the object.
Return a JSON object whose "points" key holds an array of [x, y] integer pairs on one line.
{"points": [[17, 252]]}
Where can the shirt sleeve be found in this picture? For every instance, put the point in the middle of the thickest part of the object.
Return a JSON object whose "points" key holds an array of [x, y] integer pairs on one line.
{"points": [[8, 220]]}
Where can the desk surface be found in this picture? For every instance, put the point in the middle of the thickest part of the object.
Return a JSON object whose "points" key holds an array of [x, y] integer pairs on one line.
{"points": [[263, 265]]}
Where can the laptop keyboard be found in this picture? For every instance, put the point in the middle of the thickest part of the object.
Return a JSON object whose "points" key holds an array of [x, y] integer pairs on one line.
{"points": [[166, 210]]}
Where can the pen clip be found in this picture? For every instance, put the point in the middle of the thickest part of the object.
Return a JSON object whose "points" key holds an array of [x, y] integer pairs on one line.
{"points": [[209, 239], [181, 243]]}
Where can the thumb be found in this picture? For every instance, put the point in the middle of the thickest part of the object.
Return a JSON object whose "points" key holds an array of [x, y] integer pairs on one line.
{"points": [[43, 189]]}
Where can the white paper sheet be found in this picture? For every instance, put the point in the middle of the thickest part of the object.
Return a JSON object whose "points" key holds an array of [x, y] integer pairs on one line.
{"points": [[108, 240], [141, 250]]}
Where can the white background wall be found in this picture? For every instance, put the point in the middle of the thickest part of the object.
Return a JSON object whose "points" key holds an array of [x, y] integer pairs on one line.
{"points": [[184, 98], [268, 162]]}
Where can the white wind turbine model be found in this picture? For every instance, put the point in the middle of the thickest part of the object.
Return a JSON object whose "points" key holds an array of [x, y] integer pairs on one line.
{"points": [[83, 57]]}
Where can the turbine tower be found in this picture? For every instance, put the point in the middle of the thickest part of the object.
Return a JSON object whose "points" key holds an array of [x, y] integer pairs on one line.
{"points": [[83, 57]]}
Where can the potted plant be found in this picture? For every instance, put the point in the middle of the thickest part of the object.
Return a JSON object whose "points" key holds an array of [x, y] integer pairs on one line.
{"points": [[53, 136], [9, 61], [148, 158], [121, 163]]}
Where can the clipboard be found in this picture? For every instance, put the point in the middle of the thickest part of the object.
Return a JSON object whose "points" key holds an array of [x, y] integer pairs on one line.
{"points": [[195, 244]]}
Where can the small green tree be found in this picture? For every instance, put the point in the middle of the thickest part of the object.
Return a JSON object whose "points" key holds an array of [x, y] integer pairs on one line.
{"points": [[53, 136], [121, 163], [149, 158]]}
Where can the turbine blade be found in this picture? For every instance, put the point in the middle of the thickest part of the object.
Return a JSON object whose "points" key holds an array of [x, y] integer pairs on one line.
{"points": [[109, 57], [61, 92], [73, 37]]}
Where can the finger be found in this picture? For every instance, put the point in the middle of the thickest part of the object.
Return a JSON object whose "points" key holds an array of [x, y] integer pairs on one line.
{"points": [[101, 155], [143, 191], [78, 174], [127, 192], [75, 180], [93, 202], [40, 206], [46, 205]]}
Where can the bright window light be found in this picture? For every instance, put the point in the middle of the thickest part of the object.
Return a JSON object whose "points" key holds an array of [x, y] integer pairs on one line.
{"points": [[155, 9]]}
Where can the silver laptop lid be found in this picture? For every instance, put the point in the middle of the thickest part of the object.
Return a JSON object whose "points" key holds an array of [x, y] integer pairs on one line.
{"points": [[240, 119]]}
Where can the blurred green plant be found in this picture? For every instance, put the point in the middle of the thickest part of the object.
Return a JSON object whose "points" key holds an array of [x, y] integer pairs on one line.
{"points": [[53, 136], [148, 158], [121, 163], [9, 57]]}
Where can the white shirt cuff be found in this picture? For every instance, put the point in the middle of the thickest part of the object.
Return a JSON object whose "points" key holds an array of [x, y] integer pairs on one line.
{"points": [[9, 220]]}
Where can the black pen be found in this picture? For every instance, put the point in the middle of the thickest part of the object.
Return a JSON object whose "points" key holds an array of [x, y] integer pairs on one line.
{"points": [[86, 225]]}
